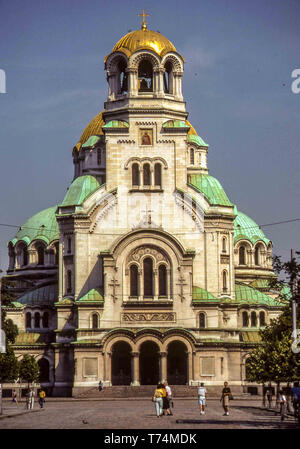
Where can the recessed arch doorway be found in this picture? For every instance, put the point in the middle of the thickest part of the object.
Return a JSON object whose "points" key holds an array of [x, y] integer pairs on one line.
{"points": [[177, 363], [121, 364], [149, 363]]}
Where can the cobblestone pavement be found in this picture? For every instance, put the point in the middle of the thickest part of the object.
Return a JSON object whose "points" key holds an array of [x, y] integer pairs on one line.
{"points": [[133, 414]]}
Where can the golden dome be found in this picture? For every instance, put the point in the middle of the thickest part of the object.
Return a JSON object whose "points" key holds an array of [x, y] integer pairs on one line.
{"points": [[93, 128], [144, 39]]}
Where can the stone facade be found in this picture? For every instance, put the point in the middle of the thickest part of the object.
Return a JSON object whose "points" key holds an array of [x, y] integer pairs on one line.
{"points": [[148, 271]]}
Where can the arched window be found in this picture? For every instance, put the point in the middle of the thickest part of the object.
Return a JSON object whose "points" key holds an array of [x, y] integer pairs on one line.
{"points": [[44, 370], [148, 277], [145, 75], [242, 255], [192, 156], [135, 175], [45, 319], [202, 320], [157, 175], [134, 281], [146, 175], [24, 256], [224, 245], [262, 319], [225, 288], [69, 281], [256, 255], [99, 151], [12, 257], [168, 78], [123, 79], [41, 254], [37, 319], [95, 321], [162, 280], [28, 320], [245, 319], [253, 319]]}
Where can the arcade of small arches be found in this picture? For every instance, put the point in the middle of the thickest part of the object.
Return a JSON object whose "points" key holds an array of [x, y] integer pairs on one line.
{"points": [[253, 318], [144, 73], [253, 255], [146, 174], [149, 362], [37, 320], [36, 254], [197, 157]]}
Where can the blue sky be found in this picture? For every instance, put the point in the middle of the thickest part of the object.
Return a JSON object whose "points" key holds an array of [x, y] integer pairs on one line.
{"points": [[237, 84]]}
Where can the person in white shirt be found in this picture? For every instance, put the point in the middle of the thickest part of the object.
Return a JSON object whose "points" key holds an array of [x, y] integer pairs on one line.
{"points": [[202, 398], [168, 398]]}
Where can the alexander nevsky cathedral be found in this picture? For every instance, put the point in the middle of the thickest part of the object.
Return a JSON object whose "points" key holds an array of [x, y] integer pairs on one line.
{"points": [[145, 270]]}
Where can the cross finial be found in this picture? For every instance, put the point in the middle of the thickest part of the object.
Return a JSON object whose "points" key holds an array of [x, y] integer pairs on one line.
{"points": [[144, 25]]}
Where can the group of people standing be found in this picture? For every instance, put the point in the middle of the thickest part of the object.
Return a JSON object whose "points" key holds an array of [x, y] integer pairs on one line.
{"points": [[225, 398], [30, 395], [162, 399]]}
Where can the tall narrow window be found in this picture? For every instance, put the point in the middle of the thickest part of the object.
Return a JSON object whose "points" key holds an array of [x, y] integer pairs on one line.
{"points": [[41, 257], [242, 255], [37, 319], [146, 175], [95, 321], [253, 319], [69, 245], [224, 244], [202, 323], [69, 281], [28, 320], [45, 319], [135, 175], [145, 76], [225, 288], [256, 255], [148, 277], [134, 284], [245, 319], [157, 175], [25, 256], [162, 280], [192, 156], [56, 253], [168, 78], [99, 156], [262, 319]]}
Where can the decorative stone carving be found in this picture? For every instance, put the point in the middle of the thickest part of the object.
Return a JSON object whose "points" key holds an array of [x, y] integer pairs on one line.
{"points": [[141, 251], [164, 316]]}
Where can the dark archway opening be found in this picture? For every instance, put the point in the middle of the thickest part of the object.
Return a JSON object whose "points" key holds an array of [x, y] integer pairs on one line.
{"points": [[44, 370], [177, 363], [121, 364], [149, 363], [145, 75]]}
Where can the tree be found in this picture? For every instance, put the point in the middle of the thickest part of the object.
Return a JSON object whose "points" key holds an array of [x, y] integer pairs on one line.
{"points": [[29, 369], [9, 366], [274, 359]]}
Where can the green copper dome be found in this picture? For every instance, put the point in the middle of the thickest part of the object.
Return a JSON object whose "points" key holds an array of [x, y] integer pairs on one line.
{"points": [[246, 228], [42, 226], [46, 295], [211, 188], [80, 189]]}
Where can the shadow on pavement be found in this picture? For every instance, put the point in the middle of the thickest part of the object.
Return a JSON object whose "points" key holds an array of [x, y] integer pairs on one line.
{"points": [[235, 423]]}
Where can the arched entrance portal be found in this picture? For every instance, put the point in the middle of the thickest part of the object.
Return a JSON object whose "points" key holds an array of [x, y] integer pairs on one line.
{"points": [[149, 363], [177, 363], [121, 364], [44, 370]]}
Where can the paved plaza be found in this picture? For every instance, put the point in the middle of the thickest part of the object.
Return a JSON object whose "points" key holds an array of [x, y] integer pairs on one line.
{"points": [[140, 414]]}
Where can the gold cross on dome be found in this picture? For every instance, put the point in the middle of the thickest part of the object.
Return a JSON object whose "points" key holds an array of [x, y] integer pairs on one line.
{"points": [[144, 25]]}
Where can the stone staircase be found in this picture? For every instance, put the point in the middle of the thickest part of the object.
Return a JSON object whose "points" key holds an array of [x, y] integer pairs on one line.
{"points": [[145, 391]]}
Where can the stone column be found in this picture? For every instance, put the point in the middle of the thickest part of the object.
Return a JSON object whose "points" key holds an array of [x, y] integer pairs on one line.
{"points": [[189, 367], [158, 88], [168, 283], [107, 368], [135, 369], [155, 281], [140, 285], [163, 366], [151, 177], [132, 81], [31, 256]]}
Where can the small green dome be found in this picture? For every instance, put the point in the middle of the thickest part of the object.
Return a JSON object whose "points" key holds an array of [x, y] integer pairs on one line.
{"points": [[42, 226], [80, 189], [197, 140], [246, 228]]}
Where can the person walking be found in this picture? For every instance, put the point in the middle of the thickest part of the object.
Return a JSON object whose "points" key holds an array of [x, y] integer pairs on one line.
{"points": [[15, 397], [296, 396], [269, 393], [159, 393], [226, 395], [202, 398], [100, 386], [282, 402], [31, 395], [167, 399], [42, 396]]}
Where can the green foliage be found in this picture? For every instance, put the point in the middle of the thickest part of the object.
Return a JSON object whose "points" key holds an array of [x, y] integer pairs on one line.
{"points": [[9, 366], [11, 331], [29, 369], [7, 294]]}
